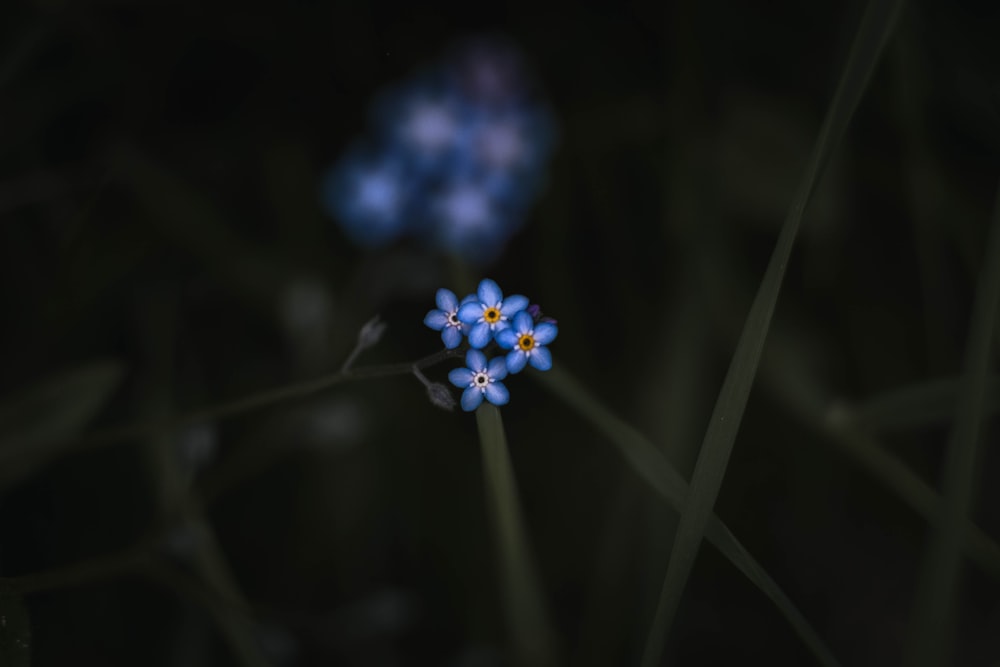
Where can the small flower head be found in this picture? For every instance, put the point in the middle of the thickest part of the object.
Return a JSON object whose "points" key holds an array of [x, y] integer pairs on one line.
{"points": [[445, 318], [481, 379], [526, 342], [490, 313], [440, 396]]}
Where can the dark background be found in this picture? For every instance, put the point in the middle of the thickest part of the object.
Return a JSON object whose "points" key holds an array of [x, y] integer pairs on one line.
{"points": [[159, 213]]}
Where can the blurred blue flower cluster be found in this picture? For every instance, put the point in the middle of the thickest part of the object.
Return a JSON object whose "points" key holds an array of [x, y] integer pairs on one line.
{"points": [[485, 317], [457, 156]]}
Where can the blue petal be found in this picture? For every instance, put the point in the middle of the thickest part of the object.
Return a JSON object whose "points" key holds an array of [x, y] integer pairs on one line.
{"points": [[514, 304], [497, 369], [545, 333], [470, 313], [516, 360], [461, 377], [446, 300], [471, 398], [497, 394], [452, 337], [479, 335], [470, 298], [489, 292], [475, 360], [507, 338], [436, 319], [522, 322], [541, 358]]}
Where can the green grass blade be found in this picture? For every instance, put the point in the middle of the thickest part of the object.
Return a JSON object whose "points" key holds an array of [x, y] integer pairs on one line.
{"points": [[713, 458], [916, 493], [798, 392], [933, 617], [37, 423], [532, 638], [647, 461], [916, 406]]}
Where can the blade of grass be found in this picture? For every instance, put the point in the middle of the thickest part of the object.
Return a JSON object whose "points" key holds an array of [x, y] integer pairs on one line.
{"points": [[877, 25], [933, 610], [37, 423], [917, 405], [647, 461], [526, 615], [799, 393]]}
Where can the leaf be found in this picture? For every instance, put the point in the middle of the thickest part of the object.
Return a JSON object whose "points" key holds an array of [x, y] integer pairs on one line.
{"points": [[647, 461], [720, 436], [524, 606], [930, 636], [916, 406], [36, 425]]}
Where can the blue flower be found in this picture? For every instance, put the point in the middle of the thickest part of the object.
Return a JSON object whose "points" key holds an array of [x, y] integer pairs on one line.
{"points": [[490, 313], [481, 379], [445, 318], [421, 120], [526, 342], [369, 195], [468, 221]]}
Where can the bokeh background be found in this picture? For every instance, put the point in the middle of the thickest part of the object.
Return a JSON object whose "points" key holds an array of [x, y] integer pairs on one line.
{"points": [[165, 245]]}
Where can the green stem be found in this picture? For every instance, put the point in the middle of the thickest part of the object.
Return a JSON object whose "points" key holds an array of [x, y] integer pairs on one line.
{"points": [[239, 406], [524, 606]]}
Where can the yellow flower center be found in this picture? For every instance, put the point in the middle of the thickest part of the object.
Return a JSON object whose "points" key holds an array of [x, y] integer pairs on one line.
{"points": [[526, 342], [491, 315]]}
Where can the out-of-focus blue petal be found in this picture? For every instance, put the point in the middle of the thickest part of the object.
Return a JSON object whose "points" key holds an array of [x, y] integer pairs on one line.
{"points": [[451, 337], [507, 338], [514, 304], [475, 360], [470, 298], [516, 361], [498, 368], [369, 195], [497, 393], [545, 333], [541, 358], [461, 377], [489, 293], [470, 312], [522, 321], [471, 398], [446, 300]]}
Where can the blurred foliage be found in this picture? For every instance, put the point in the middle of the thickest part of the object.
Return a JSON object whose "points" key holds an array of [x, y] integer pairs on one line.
{"points": [[160, 166]]}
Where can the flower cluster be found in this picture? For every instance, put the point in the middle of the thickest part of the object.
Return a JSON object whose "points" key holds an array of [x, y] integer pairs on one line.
{"points": [[486, 317], [457, 157]]}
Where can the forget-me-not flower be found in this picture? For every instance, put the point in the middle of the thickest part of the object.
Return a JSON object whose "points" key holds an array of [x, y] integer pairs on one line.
{"points": [[526, 342], [481, 379], [457, 156], [370, 195], [445, 318], [490, 313]]}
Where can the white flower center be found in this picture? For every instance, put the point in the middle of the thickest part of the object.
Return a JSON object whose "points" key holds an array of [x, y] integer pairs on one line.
{"points": [[480, 380]]}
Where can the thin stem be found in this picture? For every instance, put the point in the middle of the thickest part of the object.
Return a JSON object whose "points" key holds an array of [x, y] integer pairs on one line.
{"points": [[238, 406], [107, 566]]}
